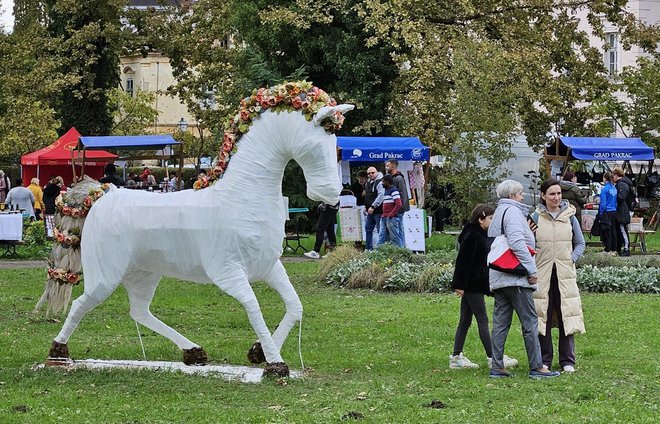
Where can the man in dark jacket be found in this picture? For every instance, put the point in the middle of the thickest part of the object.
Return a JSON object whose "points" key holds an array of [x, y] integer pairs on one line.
{"points": [[392, 168], [571, 192], [373, 200], [111, 176], [624, 188]]}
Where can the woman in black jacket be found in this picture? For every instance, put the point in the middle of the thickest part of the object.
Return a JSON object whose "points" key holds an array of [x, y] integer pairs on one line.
{"points": [[471, 283]]}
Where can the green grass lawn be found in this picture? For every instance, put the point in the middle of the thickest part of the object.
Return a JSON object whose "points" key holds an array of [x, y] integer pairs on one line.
{"points": [[381, 355]]}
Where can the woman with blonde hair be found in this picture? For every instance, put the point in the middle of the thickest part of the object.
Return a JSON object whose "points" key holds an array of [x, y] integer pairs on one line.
{"points": [[38, 193]]}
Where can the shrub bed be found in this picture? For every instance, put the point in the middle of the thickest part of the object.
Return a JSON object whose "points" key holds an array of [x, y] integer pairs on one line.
{"points": [[392, 268]]}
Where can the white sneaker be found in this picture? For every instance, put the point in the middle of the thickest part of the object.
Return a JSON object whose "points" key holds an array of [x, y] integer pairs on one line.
{"points": [[508, 362], [460, 362], [568, 368], [312, 255]]}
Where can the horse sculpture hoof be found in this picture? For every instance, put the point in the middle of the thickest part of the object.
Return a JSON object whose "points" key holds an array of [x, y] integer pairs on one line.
{"points": [[195, 356], [58, 350], [276, 369], [256, 354]]}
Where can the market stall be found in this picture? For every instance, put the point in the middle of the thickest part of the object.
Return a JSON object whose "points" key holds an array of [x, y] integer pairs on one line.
{"points": [[411, 154], [56, 159], [566, 149], [162, 145]]}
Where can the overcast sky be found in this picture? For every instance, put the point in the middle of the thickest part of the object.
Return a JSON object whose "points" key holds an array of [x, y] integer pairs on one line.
{"points": [[6, 19]]}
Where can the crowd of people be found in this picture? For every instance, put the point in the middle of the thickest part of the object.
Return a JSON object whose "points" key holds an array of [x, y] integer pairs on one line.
{"points": [[385, 199], [547, 243]]}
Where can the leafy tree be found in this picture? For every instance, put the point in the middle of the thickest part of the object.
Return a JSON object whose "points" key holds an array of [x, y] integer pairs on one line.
{"points": [[29, 76], [637, 112], [328, 42], [28, 13], [91, 40], [132, 115], [474, 72]]}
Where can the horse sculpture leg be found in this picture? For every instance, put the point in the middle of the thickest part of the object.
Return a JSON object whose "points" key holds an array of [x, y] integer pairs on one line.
{"points": [[235, 284], [83, 304], [279, 281], [141, 287]]}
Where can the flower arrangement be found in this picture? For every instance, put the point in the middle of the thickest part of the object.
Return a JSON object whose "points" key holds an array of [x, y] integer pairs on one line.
{"points": [[67, 239], [64, 277], [202, 182], [81, 212], [289, 97]]}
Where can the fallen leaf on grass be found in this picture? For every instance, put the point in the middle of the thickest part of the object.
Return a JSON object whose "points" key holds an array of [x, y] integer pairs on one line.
{"points": [[361, 396], [276, 407], [436, 404], [19, 409], [353, 415]]}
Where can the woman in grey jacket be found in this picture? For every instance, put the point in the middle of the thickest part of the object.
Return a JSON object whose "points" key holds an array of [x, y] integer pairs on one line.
{"points": [[514, 292]]}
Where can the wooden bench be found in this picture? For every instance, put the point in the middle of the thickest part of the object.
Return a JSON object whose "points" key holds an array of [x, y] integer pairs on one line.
{"points": [[10, 247], [638, 239]]}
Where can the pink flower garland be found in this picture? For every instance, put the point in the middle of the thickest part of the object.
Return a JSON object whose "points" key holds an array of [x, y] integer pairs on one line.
{"points": [[288, 96]]}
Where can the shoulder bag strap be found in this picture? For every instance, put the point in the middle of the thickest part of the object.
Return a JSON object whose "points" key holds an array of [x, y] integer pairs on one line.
{"points": [[502, 223]]}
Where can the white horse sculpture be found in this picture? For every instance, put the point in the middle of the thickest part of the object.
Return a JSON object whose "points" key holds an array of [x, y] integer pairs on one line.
{"points": [[229, 234]]}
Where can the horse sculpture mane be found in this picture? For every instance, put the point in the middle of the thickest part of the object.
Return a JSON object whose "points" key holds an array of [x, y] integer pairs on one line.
{"points": [[229, 235], [288, 96]]}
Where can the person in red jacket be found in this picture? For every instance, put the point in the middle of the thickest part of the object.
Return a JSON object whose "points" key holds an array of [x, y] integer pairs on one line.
{"points": [[390, 225]]}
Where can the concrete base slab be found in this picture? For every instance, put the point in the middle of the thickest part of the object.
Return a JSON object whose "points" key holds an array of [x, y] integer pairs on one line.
{"points": [[240, 373]]}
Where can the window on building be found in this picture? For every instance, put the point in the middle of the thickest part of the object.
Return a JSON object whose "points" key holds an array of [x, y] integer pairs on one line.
{"points": [[612, 52], [129, 86]]}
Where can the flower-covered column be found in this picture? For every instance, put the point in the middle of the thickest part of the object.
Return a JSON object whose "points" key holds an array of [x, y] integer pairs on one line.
{"points": [[64, 265]]}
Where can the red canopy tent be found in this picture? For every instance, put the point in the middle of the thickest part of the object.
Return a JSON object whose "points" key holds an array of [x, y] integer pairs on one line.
{"points": [[56, 160]]}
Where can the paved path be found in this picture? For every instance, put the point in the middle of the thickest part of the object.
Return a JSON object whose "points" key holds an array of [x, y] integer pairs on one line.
{"points": [[9, 264]]}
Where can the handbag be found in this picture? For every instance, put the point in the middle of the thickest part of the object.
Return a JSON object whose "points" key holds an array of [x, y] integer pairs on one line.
{"points": [[595, 227], [502, 258]]}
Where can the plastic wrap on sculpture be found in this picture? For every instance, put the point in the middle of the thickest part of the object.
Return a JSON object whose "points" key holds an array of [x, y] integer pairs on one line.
{"points": [[229, 234], [64, 265]]}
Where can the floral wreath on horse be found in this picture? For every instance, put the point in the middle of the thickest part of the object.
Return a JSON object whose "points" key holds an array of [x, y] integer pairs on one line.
{"points": [[289, 97]]}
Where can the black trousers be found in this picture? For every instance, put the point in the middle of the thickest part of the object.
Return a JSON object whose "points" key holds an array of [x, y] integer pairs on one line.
{"points": [[608, 231], [473, 304], [326, 224]]}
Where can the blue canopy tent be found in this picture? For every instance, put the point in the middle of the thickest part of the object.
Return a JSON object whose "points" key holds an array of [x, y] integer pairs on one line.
{"points": [[380, 149], [127, 142], [375, 151], [598, 149], [133, 142]]}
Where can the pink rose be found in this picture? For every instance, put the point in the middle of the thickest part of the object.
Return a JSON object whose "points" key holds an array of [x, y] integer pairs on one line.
{"points": [[297, 102], [245, 115]]}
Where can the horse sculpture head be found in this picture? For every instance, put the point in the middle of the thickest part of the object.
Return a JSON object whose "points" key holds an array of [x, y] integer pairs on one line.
{"points": [[317, 156], [307, 136]]}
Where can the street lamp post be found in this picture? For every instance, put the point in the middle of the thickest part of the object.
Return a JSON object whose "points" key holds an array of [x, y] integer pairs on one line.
{"points": [[182, 125]]}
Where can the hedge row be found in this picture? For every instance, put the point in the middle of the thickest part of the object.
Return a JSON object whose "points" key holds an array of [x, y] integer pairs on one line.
{"points": [[390, 268]]}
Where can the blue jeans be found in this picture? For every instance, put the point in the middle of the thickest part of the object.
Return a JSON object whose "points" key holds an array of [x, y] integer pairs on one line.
{"points": [[390, 230], [402, 234], [373, 221]]}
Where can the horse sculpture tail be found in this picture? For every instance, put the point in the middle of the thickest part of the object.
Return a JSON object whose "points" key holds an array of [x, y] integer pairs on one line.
{"points": [[64, 264]]}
